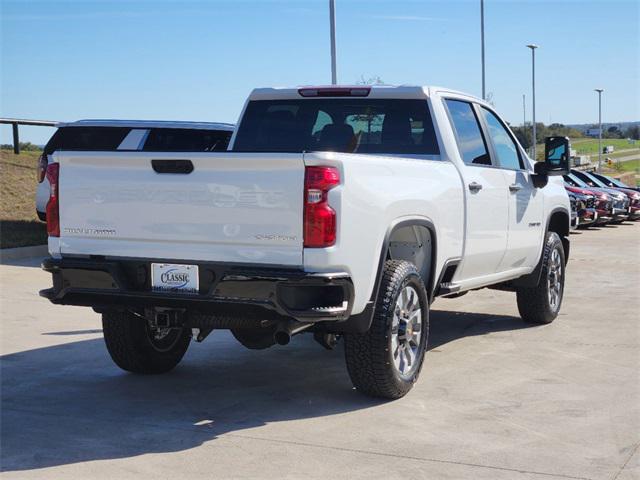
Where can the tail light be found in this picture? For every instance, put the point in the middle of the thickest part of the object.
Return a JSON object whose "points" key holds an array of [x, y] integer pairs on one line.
{"points": [[53, 205], [319, 217], [42, 167]]}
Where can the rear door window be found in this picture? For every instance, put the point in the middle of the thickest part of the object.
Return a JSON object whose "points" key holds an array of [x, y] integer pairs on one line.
{"points": [[469, 137], [186, 140]]}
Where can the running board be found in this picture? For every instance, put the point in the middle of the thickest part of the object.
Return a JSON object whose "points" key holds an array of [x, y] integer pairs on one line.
{"points": [[448, 288]]}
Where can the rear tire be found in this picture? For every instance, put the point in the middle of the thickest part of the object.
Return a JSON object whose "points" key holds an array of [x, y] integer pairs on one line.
{"points": [[135, 347], [541, 304], [386, 361]]}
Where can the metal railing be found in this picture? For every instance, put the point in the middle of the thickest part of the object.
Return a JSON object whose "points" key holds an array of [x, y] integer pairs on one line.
{"points": [[14, 122]]}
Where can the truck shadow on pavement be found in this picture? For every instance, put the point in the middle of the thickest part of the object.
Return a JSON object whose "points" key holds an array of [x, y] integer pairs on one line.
{"points": [[68, 403]]}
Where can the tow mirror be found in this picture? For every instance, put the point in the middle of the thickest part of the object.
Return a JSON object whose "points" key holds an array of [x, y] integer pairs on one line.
{"points": [[556, 160], [556, 155]]}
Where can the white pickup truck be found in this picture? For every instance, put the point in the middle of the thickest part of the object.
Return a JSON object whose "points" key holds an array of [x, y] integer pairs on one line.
{"points": [[342, 211]]}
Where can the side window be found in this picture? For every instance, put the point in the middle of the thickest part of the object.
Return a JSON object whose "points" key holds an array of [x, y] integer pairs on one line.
{"points": [[471, 142], [506, 148]]}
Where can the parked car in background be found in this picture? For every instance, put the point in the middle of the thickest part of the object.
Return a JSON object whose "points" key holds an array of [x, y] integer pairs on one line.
{"points": [[618, 209], [599, 208], [613, 182], [585, 215], [632, 193], [129, 136], [574, 209], [621, 198]]}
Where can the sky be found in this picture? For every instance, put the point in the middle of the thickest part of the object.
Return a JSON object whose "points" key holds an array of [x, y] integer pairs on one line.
{"points": [[198, 60]]}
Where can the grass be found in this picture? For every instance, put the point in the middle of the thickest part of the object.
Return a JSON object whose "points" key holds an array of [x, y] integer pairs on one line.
{"points": [[589, 146], [630, 166], [19, 224]]}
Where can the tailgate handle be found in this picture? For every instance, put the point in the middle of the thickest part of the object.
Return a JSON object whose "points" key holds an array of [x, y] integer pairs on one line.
{"points": [[172, 166]]}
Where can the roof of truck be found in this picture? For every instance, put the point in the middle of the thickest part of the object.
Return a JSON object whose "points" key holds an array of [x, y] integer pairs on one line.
{"points": [[149, 124], [375, 91]]}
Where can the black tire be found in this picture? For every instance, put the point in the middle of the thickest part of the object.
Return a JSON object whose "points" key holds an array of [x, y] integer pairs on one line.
{"points": [[534, 303], [42, 216], [369, 356], [255, 339], [131, 346]]}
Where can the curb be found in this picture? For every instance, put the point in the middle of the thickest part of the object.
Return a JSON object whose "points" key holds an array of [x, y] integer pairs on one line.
{"points": [[23, 252]]}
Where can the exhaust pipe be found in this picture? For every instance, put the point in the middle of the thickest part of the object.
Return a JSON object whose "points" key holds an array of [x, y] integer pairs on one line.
{"points": [[285, 331]]}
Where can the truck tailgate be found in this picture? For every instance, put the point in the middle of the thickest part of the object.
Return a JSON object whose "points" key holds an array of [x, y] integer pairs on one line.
{"points": [[232, 207]]}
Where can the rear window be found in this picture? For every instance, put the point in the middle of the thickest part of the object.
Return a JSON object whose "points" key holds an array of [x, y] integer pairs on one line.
{"points": [[338, 125], [186, 140], [87, 138]]}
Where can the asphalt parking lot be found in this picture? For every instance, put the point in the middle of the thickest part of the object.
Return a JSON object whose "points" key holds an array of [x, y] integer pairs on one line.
{"points": [[497, 399]]}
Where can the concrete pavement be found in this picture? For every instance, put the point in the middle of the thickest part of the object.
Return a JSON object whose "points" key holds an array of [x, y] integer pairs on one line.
{"points": [[497, 399]]}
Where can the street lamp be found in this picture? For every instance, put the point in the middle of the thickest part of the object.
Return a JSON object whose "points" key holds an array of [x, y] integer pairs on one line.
{"points": [[533, 82], [332, 21], [482, 45], [599, 90]]}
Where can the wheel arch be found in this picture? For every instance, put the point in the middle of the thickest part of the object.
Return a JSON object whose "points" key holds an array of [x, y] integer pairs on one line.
{"points": [[392, 248], [559, 222]]}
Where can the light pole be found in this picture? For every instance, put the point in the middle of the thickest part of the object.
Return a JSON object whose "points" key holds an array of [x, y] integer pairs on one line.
{"points": [[332, 21], [482, 45], [599, 90], [524, 112], [533, 82]]}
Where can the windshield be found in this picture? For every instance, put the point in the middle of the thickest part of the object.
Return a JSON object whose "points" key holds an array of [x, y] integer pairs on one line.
{"points": [[574, 181], [596, 181], [614, 181], [339, 125]]}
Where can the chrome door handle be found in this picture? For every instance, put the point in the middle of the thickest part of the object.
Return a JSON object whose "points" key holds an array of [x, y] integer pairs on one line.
{"points": [[475, 187], [515, 187]]}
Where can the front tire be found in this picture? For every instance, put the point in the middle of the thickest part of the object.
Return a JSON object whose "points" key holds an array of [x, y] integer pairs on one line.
{"points": [[386, 361], [136, 347], [541, 304]]}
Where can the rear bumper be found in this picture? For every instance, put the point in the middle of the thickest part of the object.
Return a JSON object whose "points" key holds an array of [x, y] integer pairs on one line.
{"points": [[224, 288]]}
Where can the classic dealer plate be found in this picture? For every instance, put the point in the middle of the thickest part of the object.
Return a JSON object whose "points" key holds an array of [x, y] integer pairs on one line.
{"points": [[172, 277]]}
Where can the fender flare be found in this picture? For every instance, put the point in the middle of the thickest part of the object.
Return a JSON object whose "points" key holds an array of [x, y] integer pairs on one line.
{"points": [[361, 322]]}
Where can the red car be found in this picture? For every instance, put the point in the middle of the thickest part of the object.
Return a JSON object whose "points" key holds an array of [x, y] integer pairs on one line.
{"points": [[599, 209]]}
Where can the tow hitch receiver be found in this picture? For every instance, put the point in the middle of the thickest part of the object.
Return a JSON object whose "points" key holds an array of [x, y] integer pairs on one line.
{"points": [[165, 318]]}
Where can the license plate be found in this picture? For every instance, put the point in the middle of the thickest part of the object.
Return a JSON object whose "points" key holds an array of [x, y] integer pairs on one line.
{"points": [[169, 277]]}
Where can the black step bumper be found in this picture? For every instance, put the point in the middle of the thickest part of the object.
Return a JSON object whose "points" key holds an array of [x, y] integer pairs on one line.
{"points": [[224, 288]]}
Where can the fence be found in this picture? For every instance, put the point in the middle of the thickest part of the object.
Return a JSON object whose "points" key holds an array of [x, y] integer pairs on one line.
{"points": [[14, 122]]}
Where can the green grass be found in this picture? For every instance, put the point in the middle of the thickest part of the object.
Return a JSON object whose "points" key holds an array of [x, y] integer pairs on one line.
{"points": [[589, 146], [630, 166], [19, 224]]}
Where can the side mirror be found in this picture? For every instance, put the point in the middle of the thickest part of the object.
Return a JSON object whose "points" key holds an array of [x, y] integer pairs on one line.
{"points": [[556, 155], [556, 160]]}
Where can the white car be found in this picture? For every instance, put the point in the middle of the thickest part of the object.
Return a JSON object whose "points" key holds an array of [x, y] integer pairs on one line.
{"points": [[342, 211], [128, 135]]}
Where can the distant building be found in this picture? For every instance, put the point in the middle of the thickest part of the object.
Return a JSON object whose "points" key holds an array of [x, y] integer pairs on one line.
{"points": [[593, 132]]}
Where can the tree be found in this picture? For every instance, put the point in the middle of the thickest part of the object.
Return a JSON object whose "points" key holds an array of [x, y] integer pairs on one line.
{"points": [[375, 80], [633, 132]]}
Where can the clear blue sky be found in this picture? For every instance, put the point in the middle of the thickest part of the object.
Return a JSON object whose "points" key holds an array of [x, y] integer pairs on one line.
{"points": [[199, 60]]}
